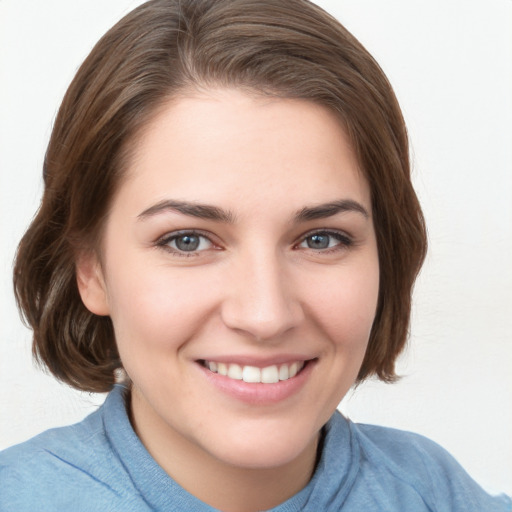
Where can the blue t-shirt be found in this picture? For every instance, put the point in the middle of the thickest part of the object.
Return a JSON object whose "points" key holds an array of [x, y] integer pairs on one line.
{"points": [[100, 464]]}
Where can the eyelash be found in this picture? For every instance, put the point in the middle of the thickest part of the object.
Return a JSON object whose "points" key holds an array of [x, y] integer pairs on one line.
{"points": [[345, 241], [164, 242], [167, 239]]}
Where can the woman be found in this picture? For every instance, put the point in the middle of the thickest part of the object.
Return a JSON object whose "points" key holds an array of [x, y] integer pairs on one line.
{"points": [[229, 230]]}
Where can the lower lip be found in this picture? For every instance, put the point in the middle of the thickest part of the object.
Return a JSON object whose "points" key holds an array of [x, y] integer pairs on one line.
{"points": [[259, 393]]}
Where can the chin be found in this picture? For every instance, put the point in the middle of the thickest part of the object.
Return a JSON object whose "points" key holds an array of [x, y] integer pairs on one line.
{"points": [[266, 450]]}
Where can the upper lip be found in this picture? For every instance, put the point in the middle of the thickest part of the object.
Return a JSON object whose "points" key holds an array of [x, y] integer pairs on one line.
{"points": [[259, 362]]}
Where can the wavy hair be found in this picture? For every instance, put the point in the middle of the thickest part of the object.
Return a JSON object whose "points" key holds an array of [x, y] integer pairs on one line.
{"points": [[282, 48]]}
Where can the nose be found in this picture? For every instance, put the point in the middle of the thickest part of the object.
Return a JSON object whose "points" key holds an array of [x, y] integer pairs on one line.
{"points": [[261, 301]]}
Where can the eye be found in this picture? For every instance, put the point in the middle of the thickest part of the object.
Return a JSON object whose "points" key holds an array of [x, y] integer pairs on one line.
{"points": [[325, 240], [185, 242]]}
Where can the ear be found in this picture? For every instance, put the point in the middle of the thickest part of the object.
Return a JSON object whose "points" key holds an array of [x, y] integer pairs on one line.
{"points": [[91, 284]]}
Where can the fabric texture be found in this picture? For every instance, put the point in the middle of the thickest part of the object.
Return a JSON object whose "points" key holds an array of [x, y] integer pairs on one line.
{"points": [[100, 464]]}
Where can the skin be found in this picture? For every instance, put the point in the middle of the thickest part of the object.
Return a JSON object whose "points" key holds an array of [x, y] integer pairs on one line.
{"points": [[254, 288]]}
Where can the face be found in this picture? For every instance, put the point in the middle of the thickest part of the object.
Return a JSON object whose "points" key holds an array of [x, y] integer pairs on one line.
{"points": [[239, 266]]}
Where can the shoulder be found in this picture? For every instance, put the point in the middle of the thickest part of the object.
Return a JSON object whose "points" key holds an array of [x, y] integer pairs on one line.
{"points": [[64, 443], [41, 469], [414, 461], [401, 449], [47, 471]]}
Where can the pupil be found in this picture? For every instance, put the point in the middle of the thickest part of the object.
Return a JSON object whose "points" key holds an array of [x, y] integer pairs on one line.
{"points": [[318, 242], [187, 242]]}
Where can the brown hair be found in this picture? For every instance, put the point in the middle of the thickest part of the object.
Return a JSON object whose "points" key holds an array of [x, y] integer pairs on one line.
{"points": [[285, 48]]}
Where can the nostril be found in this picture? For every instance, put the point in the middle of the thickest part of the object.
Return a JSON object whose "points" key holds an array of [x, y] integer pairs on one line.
{"points": [[263, 323]]}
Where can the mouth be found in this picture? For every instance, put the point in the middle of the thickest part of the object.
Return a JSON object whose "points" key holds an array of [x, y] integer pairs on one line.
{"points": [[253, 374]]}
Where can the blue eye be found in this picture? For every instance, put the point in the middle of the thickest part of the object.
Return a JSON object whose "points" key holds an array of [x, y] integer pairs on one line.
{"points": [[323, 240], [185, 242], [318, 241]]}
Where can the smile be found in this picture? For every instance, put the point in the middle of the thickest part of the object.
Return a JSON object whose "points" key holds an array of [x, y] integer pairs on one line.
{"points": [[252, 374]]}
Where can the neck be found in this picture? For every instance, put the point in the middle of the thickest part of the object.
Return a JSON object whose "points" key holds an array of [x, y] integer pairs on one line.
{"points": [[221, 485]]}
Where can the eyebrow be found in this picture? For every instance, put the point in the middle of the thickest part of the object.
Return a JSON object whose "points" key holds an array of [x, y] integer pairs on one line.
{"points": [[325, 210], [202, 211], [210, 212]]}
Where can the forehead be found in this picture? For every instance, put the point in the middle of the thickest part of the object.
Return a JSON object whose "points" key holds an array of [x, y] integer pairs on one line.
{"points": [[226, 146]]}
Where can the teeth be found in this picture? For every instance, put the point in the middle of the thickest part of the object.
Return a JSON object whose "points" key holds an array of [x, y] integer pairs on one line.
{"points": [[270, 375], [253, 374], [222, 369], [235, 371]]}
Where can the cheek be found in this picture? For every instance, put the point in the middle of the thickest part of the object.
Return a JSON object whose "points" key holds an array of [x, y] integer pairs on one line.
{"points": [[157, 308], [346, 307]]}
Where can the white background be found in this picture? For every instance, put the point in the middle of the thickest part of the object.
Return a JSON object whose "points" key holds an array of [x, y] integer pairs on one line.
{"points": [[451, 64]]}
